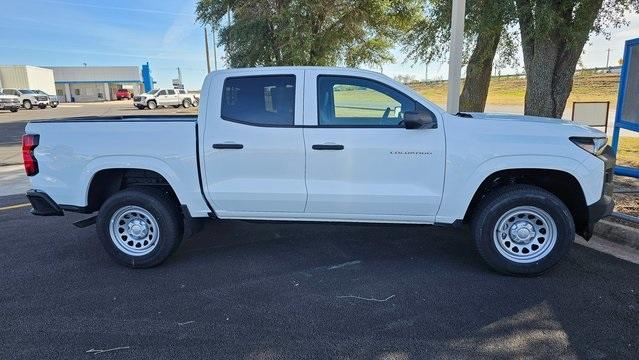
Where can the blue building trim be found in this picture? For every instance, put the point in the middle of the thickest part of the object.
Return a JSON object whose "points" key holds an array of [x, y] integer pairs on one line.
{"points": [[620, 123], [146, 77]]}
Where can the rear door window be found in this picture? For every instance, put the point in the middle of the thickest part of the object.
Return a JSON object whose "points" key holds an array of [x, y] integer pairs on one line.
{"points": [[259, 100]]}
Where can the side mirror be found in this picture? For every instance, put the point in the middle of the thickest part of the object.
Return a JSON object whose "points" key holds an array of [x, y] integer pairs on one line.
{"points": [[419, 120]]}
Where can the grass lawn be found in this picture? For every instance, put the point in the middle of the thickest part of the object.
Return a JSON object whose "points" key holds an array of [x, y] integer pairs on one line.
{"points": [[628, 153], [511, 90]]}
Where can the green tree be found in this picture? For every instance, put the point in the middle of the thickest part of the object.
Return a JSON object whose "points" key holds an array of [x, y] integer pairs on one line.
{"points": [[309, 32], [488, 31], [553, 35]]}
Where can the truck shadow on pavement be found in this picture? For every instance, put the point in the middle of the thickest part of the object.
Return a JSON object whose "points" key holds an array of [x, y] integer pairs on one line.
{"points": [[259, 290]]}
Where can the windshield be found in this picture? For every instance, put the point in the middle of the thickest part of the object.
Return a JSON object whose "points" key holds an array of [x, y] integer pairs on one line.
{"points": [[25, 91], [153, 92]]}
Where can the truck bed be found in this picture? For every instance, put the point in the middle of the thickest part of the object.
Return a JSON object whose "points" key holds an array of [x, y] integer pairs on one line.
{"points": [[71, 151]]}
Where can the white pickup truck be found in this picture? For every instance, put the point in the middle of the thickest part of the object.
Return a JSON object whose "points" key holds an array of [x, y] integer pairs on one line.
{"points": [[324, 144], [165, 98]]}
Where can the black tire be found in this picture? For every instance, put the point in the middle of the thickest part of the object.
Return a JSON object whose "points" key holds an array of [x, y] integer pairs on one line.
{"points": [[162, 206], [27, 105], [186, 103], [175, 106], [140, 107], [152, 104], [14, 110], [42, 106], [54, 106], [500, 202]]}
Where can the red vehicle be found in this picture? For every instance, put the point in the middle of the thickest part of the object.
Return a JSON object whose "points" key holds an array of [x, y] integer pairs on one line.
{"points": [[124, 94]]}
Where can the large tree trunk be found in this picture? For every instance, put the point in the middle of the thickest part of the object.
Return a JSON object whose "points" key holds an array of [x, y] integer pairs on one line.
{"points": [[551, 52], [478, 72]]}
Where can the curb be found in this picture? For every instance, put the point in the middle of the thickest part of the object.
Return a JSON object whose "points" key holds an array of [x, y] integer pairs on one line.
{"points": [[618, 233]]}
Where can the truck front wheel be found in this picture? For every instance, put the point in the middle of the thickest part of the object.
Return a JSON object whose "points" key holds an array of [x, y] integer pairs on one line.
{"points": [[522, 230], [152, 104], [140, 227]]}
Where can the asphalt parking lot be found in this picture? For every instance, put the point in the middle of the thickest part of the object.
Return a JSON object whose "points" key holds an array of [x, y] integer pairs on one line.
{"points": [[268, 291]]}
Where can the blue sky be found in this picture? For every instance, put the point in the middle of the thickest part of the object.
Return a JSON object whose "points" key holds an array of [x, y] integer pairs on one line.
{"points": [[164, 33]]}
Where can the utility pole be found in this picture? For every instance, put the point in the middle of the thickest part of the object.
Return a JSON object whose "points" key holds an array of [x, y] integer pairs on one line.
{"points": [[206, 45], [608, 60], [228, 35], [455, 55], [180, 76], [214, 52], [426, 74]]}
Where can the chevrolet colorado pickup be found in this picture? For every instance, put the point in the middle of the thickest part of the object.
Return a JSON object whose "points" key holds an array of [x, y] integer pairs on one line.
{"points": [[324, 144]]}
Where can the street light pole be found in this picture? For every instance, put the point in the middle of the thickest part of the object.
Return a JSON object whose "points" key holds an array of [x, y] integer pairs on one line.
{"points": [[455, 55], [206, 45]]}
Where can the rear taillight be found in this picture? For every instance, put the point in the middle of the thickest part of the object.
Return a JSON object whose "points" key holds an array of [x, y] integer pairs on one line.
{"points": [[29, 143]]}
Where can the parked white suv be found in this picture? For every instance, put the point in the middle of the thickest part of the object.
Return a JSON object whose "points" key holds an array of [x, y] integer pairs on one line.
{"points": [[165, 97], [324, 144], [53, 99], [28, 98]]}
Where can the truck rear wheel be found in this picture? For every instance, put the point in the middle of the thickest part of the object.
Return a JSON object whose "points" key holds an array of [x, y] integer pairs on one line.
{"points": [[522, 230], [186, 103], [27, 105], [140, 227]]}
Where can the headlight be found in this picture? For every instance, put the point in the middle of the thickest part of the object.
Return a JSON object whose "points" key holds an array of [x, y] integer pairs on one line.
{"points": [[595, 146]]}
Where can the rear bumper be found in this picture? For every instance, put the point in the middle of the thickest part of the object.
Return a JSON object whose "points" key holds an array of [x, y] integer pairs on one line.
{"points": [[42, 204], [604, 206]]}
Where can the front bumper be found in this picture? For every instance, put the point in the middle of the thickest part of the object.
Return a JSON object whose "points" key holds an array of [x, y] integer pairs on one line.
{"points": [[9, 106], [42, 204], [604, 206]]}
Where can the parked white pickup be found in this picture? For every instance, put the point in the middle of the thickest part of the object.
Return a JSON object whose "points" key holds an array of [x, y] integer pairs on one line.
{"points": [[165, 97], [324, 144]]}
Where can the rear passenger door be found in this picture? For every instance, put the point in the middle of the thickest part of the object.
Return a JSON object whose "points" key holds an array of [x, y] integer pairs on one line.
{"points": [[254, 153]]}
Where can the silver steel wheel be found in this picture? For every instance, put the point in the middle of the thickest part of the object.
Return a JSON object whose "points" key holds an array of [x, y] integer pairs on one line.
{"points": [[152, 105], [525, 234], [134, 230]]}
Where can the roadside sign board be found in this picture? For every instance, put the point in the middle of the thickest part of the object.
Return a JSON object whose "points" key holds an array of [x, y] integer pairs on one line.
{"points": [[591, 113]]}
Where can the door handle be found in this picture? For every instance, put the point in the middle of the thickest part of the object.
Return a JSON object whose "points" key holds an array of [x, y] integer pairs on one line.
{"points": [[228, 146], [328, 147]]}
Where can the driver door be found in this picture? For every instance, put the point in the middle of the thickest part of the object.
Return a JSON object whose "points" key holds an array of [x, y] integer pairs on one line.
{"points": [[361, 162]]}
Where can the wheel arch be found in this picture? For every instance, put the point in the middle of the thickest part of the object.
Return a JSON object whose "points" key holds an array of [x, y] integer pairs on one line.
{"points": [[106, 182], [560, 183], [106, 175]]}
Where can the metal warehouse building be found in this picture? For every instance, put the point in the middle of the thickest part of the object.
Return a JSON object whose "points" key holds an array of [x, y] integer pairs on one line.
{"points": [[95, 83], [27, 77]]}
